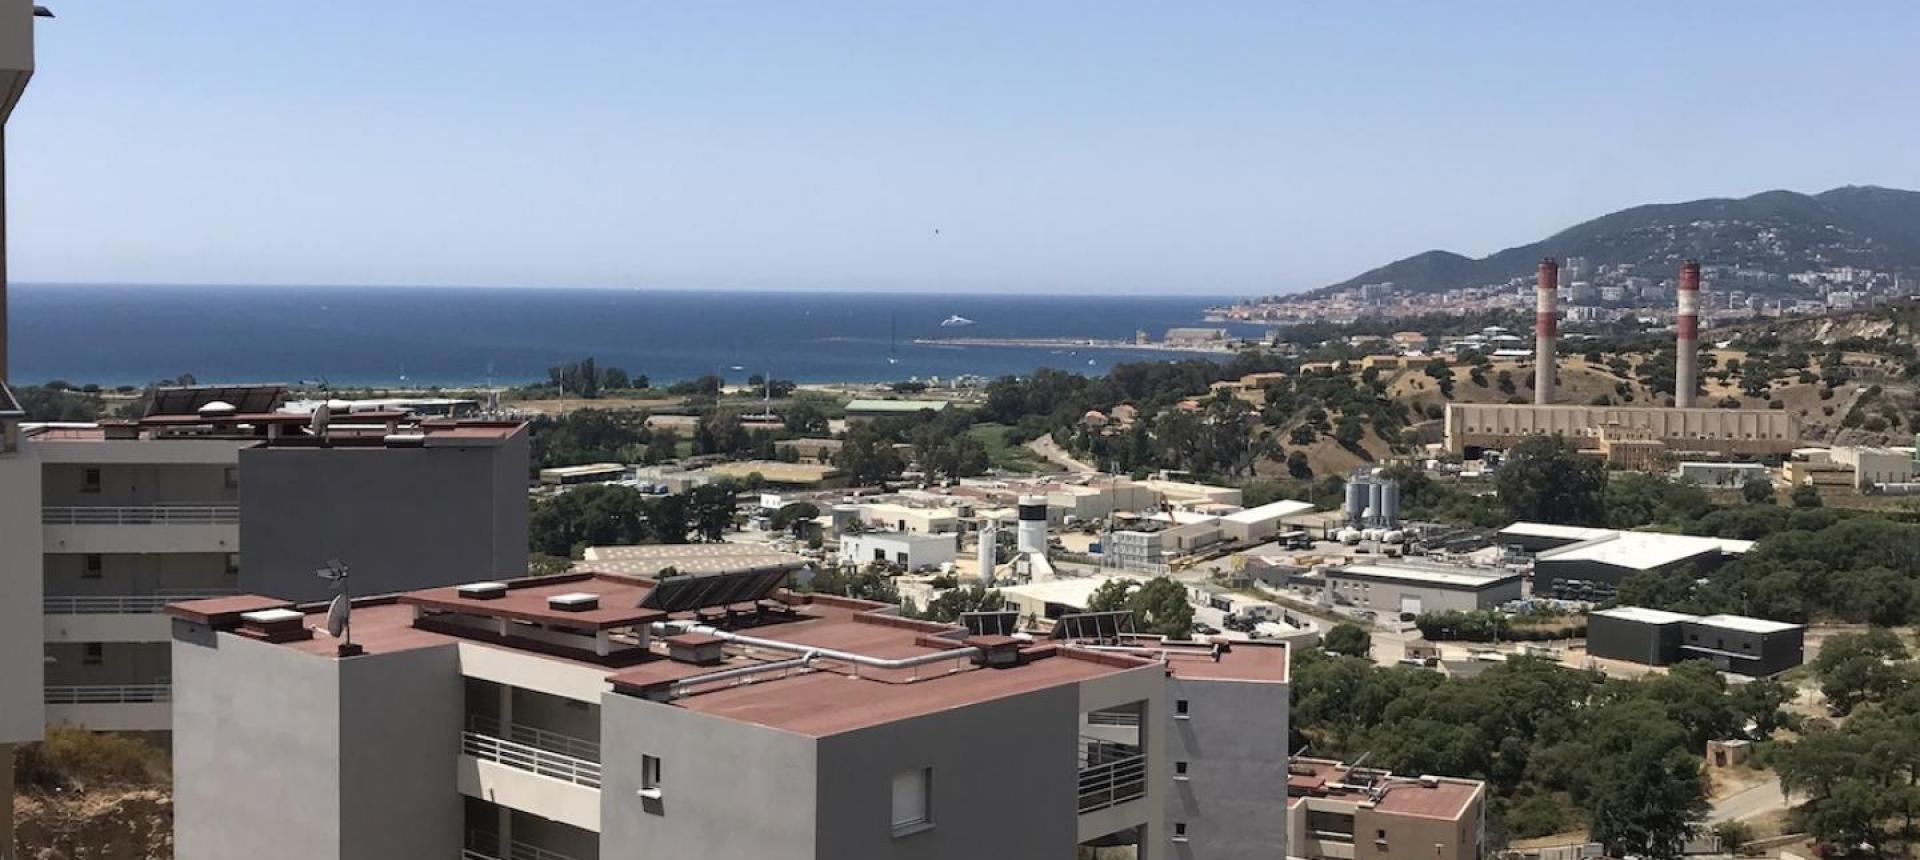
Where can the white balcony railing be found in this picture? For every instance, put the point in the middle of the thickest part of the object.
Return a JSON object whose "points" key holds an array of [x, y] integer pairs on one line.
{"points": [[124, 604], [141, 515], [1110, 774], [532, 759], [486, 846], [536, 737], [108, 694]]}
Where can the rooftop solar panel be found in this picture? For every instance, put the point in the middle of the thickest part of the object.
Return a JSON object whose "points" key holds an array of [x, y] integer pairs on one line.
{"points": [[9, 407], [187, 399], [1004, 623], [1093, 626], [690, 593]]}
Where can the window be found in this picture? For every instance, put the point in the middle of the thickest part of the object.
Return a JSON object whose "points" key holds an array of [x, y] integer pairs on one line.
{"points": [[1179, 831], [96, 654], [1180, 771], [1180, 709], [93, 568], [650, 777], [1379, 835], [90, 480], [912, 801]]}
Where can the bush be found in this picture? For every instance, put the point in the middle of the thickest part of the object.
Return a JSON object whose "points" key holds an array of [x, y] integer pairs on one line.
{"points": [[1487, 626], [1537, 815], [73, 759]]}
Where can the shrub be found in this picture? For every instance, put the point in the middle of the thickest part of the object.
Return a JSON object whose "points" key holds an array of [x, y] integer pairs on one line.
{"points": [[76, 759]]}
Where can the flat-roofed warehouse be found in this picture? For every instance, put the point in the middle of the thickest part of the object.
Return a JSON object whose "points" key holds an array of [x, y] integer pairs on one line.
{"points": [[1636, 635], [1755, 647], [1593, 569], [1409, 588], [1535, 537], [1727, 431], [1258, 524]]}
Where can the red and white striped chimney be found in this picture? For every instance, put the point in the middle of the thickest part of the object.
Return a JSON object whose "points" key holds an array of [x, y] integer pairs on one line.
{"points": [[1686, 364], [1546, 330]]}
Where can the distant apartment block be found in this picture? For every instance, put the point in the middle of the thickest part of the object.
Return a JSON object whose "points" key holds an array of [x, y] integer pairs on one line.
{"points": [[711, 716], [215, 492], [1339, 812]]}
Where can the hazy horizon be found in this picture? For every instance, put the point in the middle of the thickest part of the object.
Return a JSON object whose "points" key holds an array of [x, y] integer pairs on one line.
{"points": [[1061, 149]]}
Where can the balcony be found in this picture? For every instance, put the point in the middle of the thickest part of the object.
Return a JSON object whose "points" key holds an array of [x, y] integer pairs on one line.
{"points": [[482, 845], [1110, 774], [112, 707], [142, 528], [125, 604], [550, 775], [115, 617], [141, 515]]}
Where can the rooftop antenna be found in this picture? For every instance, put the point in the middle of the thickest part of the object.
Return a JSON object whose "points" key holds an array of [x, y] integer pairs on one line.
{"points": [[339, 612]]}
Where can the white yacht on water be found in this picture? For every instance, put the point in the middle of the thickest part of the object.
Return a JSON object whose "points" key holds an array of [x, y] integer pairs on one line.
{"points": [[956, 321]]}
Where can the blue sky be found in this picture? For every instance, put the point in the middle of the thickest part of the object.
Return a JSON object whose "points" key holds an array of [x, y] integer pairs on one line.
{"points": [[1064, 147]]}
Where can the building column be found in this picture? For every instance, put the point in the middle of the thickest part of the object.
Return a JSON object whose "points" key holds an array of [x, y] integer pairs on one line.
{"points": [[7, 849]]}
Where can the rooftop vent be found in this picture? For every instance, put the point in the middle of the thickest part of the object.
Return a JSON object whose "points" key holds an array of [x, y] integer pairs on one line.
{"points": [[574, 601], [1430, 781], [483, 590], [699, 649], [275, 625]]}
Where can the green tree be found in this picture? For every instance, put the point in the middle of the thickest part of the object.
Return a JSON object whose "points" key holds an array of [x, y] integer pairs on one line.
{"points": [[866, 456], [1349, 639], [1855, 668], [1111, 596], [1160, 607], [1757, 491], [954, 601], [1545, 480], [1805, 496], [792, 515], [711, 508]]}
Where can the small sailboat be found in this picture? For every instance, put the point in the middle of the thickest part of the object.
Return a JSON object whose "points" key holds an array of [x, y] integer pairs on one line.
{"points": [[893, 339], [955, 321]]}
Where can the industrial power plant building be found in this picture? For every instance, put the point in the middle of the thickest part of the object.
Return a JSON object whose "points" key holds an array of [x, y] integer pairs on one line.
{"points": [[1635, 437], [715, 716], [1754, 647]]}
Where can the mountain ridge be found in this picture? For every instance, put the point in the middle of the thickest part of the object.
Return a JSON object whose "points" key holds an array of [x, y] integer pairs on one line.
{"points": [[1779, 231]]}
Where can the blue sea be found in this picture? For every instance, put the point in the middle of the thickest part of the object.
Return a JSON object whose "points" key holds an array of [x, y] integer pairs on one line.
{"points": [[422, 336]]}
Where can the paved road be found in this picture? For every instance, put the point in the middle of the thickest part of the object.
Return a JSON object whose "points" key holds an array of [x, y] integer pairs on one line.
{"points": [[1758, 800], [1053, 453]]}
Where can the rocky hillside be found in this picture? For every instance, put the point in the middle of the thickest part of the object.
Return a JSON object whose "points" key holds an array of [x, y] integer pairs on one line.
{"points": [[133, 824], [1777, 231]]}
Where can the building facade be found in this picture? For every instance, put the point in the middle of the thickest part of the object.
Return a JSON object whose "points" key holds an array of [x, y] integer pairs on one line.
{"points": [[129, 516], [574, 717], [1752, 432], [1337, 812], [1411, 589]]}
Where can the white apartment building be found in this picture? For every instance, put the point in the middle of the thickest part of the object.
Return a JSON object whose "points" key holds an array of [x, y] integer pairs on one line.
{"points": [[713, 716]]}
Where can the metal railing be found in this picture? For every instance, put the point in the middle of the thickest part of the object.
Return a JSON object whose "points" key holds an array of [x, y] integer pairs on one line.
{"points": [[124, 604], [537, 737], [141, 515], [109, 694], [531, 759], [482, 845], [1110, 774]]}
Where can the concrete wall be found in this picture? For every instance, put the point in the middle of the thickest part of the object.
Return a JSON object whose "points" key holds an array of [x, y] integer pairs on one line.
{"points": [[1004, 781], [306, 757], [400, 720], [137, 573], [1234, 741], [1634, 641], [1748, 431], [400, 518], [21, 657], [256, 750], [141, 483], [730, 789]]}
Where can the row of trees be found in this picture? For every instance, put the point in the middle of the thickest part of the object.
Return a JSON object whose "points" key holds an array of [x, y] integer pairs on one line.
{"points": [[586, 378], [1861, 778], [1558, 748], [564, 524]]}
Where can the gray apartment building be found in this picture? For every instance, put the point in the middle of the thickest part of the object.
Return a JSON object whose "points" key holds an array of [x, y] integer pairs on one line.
{"points": [[707, 716], [215, 492]]}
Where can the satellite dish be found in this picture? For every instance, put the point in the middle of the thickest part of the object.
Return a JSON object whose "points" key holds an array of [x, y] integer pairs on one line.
{"points": [[321, 415], [337, 615]]}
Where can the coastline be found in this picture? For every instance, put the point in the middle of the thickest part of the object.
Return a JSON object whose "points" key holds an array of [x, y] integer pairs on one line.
{"points": [[1071, 343]]}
